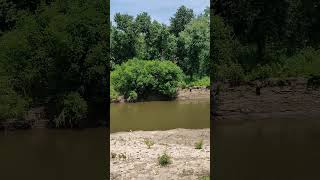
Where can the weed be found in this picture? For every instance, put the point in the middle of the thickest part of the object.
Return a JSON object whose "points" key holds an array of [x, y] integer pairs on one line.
{"points": [[164, 159], [113, 155], [204, 178], [199, 144], [149, 143], [123, 156]]}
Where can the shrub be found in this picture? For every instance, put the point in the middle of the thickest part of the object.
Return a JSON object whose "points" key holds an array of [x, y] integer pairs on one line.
{"points": [[113, 155], [133, 96], [232, 72], [149, 143], [146, 78], [74, 109], [164, 159], [305, 63], [203, 82], [113, 93], [12, 105], [199, 144], [261, 72]]}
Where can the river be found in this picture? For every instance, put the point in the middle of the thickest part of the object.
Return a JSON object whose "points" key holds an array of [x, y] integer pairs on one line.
{"points": [[52, 154], [277, 149], [160, 115]]}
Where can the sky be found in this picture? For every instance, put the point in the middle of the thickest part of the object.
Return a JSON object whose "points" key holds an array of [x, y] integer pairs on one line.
{"points": [[160, 10]]}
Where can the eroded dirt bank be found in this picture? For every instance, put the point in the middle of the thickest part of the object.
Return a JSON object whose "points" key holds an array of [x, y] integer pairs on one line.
{"points": [[183, 94], [290, 98], [193, 93], [132, 159]]}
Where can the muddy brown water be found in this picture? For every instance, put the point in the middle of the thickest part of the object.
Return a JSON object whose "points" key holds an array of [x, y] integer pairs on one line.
{"points": [[269, 149], [40, 154], [160, 115]]}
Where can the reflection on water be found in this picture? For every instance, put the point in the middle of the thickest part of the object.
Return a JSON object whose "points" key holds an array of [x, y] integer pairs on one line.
{"points": [[267, 150], [42, 154], [160, 115]]}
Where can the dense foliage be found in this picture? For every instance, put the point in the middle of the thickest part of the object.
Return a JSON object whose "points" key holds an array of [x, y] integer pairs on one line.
{"points": [[253, 39], [53, 48], [139, 79], [73, 109], [184, 42]]}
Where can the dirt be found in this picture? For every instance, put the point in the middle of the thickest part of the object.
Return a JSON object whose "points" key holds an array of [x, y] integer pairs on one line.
{"points": [[290, 98], [193, 93], [130, 157], [183, 94]]}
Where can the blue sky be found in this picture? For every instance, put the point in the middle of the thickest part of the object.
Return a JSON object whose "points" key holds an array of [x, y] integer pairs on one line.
{"points": [[160, 10]]}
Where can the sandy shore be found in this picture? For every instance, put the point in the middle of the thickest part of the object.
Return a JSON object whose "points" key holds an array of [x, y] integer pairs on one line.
{"points": [[132, 159]]}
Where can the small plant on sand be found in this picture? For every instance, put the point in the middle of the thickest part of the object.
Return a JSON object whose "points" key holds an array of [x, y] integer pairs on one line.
{"points": [[204, 178], [164, 159], [149, 143], [113, 155], [123, 156], [199, 144]]}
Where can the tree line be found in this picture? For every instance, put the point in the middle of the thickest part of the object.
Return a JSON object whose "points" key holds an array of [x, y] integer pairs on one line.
{"points": [[54, 54], [184, 42], [258, 39]]}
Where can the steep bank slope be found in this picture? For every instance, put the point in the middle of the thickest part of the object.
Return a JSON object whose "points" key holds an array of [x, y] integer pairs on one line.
{"points": [[291, 98]]}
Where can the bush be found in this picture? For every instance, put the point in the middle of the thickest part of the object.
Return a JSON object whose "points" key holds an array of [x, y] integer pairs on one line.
{"points": [[232, 72], [203, 82], [147, 78], [12, 105], [305, 63], [164, 159], [74, 109], [133, 96], [113, 93], [261, 72]]}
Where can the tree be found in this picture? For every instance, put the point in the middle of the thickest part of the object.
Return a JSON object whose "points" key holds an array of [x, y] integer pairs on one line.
{"points": [[143, 22], [123, 38], [8, 15], [51, 53], [180, 19], [256, 21], [193, 47]]}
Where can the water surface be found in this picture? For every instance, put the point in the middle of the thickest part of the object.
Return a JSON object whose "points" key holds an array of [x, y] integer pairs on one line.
{"points": [[160, 115], [48, 154], [274, 149]]}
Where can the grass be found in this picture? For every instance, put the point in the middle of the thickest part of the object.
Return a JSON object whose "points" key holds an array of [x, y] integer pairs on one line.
{"points": [[149, 143], [199, 144], [164, 159], [203, 82], [198, 82], [113, 155], [204, 178]]}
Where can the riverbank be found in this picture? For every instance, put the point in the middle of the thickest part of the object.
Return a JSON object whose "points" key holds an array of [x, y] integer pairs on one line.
{"points": [[131, 158], [293, 98], [183, 94]]}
